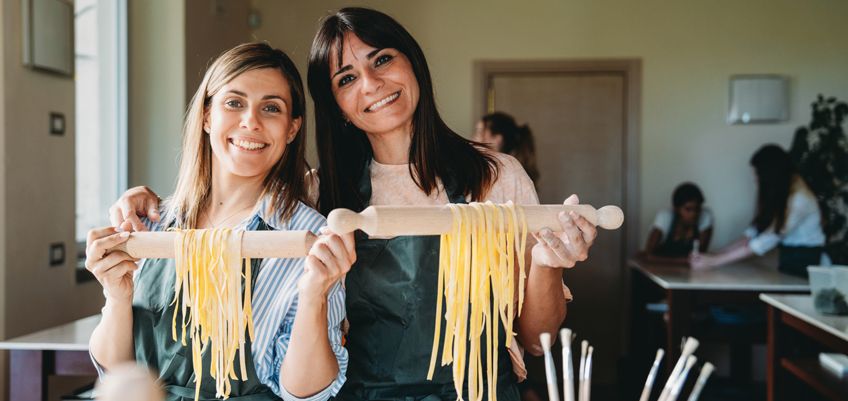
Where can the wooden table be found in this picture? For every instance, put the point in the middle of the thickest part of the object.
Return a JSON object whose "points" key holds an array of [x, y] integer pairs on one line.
{"points": [[684, 288], [61, 350], [797, 333]]}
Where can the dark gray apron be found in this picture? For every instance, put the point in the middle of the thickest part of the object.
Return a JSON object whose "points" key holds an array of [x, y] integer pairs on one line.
{"points": [[391, 299], [155, 346]]}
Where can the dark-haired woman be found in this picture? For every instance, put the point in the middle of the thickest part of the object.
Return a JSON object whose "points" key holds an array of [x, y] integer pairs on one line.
{"points": [[500, 133], [788, 217], [674, 231], [381, 141]]}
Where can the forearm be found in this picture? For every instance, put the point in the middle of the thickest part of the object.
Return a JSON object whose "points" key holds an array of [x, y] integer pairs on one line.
{"points": [[544, 306], [310, 364], [738, 251], [741, 242], [112, 340]]}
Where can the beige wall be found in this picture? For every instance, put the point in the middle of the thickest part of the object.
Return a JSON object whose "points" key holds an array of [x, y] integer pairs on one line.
{"points": [[209, 31], [689, 49], [37, 201], [156, 92]]}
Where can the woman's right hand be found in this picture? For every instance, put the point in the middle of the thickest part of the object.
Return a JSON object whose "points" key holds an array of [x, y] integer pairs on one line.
{"points": [[113, 271], [136, 202]]}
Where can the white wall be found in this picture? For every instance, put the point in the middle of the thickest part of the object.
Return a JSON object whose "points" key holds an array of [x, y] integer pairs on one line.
{"points": [[689, 50]]}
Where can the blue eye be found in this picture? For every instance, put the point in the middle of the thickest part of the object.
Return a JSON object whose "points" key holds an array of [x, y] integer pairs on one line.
{"points": [[272, 108], [233, 103], [382, 59]]}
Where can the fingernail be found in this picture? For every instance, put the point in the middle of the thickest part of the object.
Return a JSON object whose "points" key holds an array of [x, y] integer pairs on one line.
{"points": [[573, 214], [546, 233], [561, 215], [118, 229], [125, 234]]}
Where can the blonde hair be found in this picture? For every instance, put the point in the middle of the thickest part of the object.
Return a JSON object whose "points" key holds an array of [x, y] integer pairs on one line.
{"points": [[285, 181]]}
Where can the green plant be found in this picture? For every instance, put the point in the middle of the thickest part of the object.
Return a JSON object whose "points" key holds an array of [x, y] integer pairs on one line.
{"points": [[821, 152]]}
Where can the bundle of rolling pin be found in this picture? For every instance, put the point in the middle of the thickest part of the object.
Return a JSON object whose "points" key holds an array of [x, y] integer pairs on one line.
{"points": [[670, 392], [379, 221]]}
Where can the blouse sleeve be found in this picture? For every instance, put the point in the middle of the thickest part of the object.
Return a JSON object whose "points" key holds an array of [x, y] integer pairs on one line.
{"points": [[662, 221]]}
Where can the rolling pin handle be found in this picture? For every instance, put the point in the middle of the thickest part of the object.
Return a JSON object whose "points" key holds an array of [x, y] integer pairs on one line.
{"points": [[343, 221], [610, 217]]}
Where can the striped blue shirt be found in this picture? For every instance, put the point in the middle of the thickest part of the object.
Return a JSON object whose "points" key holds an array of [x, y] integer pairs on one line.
{"points": [[275, 299]]}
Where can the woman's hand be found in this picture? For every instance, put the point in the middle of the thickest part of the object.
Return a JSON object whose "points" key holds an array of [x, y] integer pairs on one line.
{"points": [[136, 202], [113, 271], [328, 261], [566, 248]]}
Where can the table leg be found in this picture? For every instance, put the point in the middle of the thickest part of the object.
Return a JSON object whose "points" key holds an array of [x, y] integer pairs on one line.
{"points": [[679, 317], [776, 378], [28, 374]]}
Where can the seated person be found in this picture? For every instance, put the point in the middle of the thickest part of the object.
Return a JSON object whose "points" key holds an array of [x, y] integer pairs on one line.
{"points": [[675, 231]]}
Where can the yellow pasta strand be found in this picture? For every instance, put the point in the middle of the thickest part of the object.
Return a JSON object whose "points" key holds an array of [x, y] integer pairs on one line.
{"points": [[216, 313], [477, 263]]}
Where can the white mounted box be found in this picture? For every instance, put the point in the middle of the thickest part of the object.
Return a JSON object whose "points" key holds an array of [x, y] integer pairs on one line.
{"points": [[48, 35], [757, 99]]}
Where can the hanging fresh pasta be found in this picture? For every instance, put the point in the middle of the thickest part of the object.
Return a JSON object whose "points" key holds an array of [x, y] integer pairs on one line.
{"points": [[208, 290], [476, 274]]}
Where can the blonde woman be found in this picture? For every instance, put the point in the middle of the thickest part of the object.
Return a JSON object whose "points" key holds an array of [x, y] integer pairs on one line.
{"points": [[243, 167]]}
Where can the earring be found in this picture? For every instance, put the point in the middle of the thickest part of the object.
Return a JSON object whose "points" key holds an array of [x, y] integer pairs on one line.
{"points": [[289, 141]]}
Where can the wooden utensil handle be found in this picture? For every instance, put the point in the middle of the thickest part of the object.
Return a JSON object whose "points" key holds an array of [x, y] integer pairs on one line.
{"points": [[254, 244], [437, 220]]}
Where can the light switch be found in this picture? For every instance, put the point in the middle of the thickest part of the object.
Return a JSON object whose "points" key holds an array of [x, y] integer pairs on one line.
{"points": [[57, 123], [57, 254]]}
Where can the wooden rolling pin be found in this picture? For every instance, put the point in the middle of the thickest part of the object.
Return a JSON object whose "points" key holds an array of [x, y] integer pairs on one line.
{"points": [[254, 244], [386, 221], [375, 220]]}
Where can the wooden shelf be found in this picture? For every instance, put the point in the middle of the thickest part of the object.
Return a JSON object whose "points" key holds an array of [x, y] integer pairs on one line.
{"points": [[825, 381]]}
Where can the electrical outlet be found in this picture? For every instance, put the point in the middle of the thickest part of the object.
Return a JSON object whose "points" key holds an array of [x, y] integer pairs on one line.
{"points": [[57, 254]]}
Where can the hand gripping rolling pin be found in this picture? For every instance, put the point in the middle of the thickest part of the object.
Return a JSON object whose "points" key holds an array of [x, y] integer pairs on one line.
{"points": [[374, 220]]}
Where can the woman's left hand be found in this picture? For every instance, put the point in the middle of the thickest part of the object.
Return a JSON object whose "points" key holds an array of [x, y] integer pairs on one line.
{"points": [[328, 261], [566, 248]]}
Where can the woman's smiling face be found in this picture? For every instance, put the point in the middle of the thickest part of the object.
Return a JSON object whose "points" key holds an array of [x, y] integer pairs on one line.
{"points": [[249, 122], [376, 89]]}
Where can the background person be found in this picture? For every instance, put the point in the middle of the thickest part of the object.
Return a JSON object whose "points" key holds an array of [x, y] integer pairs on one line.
{"points": [[500, 133], [787, 217], [675, 230]]}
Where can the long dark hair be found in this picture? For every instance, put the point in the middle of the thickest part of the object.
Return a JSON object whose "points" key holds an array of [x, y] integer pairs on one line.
{"points": [[774, 170], [517, 141], [435, 151]]}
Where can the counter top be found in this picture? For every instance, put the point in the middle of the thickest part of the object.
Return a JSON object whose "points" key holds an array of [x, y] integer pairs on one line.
{"points": [[72, 336], [739, 276], [801, 306]]}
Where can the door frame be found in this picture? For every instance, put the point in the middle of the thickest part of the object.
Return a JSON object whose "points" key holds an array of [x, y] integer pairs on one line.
{"points": [[631, 70]]}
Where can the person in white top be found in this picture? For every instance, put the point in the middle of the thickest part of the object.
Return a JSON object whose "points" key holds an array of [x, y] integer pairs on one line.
{"points": [[674, 231], [788, 216]]}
